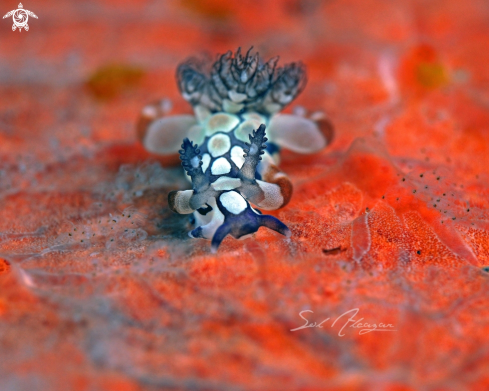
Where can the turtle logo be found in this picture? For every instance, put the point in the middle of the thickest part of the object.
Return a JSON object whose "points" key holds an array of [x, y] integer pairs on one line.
{"points": [[20, 17]]}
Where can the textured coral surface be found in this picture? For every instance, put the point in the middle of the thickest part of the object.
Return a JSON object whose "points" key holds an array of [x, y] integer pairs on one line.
{"points": [[102, 289]]}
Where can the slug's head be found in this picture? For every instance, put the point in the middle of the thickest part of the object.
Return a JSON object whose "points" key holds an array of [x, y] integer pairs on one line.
{"points": [[236, 83]]}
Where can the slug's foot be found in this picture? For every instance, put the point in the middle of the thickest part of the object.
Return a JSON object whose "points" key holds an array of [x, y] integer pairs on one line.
{"points": [[241, 219], [231, 214]]}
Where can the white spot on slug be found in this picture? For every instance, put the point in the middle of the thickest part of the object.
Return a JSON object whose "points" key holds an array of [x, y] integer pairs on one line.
{"points": [[220, 167], [236, 96], [245, 129], [219, 144], [231, 107], [233, 202], [206, 159], [221, 122], [226, 183], [237, 156]]}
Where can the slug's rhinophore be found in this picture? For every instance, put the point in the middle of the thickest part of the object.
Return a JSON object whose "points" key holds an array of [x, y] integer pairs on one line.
{"points": [[230, 147]]}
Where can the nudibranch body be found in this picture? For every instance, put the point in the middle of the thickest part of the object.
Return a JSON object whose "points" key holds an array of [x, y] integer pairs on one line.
{"points": [[230, 147]]}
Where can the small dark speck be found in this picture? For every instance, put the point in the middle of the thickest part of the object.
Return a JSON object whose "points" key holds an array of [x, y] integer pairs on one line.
{"points": [[333, 251], [485, 269], [453, 218], [397, 199], [468, 210], [421, 176], [403, 179], [426, 187], [444, 194], [418, 252], [434, 205], [414, 191]]}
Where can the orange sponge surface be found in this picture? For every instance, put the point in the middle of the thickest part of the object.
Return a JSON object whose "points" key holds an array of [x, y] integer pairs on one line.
{"points": [[102, 289]]}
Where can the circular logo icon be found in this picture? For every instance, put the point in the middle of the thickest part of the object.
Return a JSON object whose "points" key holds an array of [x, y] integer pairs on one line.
{"points": [[20, 17]]}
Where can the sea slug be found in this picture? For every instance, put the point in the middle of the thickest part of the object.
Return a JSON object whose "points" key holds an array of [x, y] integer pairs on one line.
{"points": [[231, 146]]}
